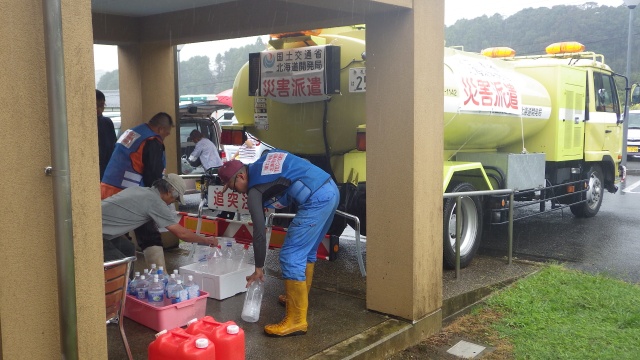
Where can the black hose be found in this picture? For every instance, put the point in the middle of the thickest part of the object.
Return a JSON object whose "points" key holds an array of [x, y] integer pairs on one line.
{"points": [[325, 122]]}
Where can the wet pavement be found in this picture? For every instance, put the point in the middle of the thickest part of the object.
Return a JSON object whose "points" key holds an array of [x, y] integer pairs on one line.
{"points": [[605, 244], [340, 326]]}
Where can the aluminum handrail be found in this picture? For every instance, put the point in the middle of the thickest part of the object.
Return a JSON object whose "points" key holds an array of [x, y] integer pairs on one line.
{"points": [[338, 212]]}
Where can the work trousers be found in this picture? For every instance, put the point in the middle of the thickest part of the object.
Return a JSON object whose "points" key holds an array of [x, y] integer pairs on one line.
{"points": [[148, 235], [118, 248], [306, 231]]}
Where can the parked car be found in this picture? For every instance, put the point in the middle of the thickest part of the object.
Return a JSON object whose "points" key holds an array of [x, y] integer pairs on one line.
{"points": [[196, 116], [633, 136], [225, 117], [115, 118]]}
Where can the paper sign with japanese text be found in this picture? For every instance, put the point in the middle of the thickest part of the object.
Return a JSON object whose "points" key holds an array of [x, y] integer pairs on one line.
{"points": [[273, 163], [294, 75]]}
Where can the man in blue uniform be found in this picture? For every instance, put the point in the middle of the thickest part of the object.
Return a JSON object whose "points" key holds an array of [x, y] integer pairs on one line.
{"points": [[276, 180]]}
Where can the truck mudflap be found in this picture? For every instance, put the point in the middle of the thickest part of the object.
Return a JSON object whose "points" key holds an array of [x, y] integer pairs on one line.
{"points": [[471, 172], [242, 232]]}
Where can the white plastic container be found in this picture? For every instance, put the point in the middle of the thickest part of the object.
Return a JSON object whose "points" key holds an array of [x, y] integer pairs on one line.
{"points": [[253, 302], [218, 279]]}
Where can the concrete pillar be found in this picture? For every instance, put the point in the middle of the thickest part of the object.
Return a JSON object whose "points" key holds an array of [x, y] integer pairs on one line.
{"points": [[404, 161], [147, 86], [28, 276]]}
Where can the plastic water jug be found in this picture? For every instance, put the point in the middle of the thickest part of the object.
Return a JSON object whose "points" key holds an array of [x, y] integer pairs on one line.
{"points": [[227, 337], [253, 302]]}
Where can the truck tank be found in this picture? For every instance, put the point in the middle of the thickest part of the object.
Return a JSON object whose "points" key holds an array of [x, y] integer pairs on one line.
{"points": [[298, 128], [487, 105]]}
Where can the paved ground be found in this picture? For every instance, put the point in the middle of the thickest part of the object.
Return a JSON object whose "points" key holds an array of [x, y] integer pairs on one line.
{"points": [[337, 312]]}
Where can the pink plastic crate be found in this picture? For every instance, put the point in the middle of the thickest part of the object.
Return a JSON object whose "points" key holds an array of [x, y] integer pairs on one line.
{"points": [[165, 317]]}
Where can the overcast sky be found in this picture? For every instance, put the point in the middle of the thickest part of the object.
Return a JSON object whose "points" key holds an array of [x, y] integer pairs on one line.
{"points": [[106, 56]]}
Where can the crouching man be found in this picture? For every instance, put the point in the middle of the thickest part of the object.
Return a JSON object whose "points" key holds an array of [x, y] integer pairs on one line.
{"points": [[135, 206]]}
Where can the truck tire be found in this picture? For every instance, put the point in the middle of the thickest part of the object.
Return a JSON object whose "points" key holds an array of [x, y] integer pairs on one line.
{"points": [[594, 195], [471, 227]]}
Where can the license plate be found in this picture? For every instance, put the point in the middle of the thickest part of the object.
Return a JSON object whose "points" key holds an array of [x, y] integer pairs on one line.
{"points": [[198, 185], [632, 149]]}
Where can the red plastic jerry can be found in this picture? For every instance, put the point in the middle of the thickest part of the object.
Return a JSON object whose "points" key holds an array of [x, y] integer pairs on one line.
{"points": [[177, 344], [227, 337], [197, 347]]}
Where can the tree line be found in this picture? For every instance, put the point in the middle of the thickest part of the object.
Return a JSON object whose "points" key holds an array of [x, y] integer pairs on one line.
{"points": [[196, 75], [602, 29]]}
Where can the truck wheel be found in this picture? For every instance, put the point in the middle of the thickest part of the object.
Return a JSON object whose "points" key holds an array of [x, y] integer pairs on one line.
{"points": [[471, 227], [594, 195]]}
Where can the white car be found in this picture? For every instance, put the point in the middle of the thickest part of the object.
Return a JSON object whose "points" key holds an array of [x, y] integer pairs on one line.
{"points": [[633, 136], [115, 118]]}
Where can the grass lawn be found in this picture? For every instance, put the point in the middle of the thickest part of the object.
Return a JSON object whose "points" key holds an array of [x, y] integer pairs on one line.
{"points": [[565, 314], [555, 313]]}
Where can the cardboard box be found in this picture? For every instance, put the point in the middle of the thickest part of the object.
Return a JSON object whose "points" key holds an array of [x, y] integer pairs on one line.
{"points": [[166, 317], [221, 280]]}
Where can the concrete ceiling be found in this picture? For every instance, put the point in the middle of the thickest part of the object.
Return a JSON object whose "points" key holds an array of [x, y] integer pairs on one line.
{"points": [[141, 8], [119, 22]]}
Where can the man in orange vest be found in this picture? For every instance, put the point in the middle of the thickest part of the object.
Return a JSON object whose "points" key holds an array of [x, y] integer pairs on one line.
{"points": [[139, 160]]}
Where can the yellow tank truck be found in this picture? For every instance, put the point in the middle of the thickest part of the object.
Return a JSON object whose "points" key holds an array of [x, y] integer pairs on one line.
{"points": [[547, 126]]}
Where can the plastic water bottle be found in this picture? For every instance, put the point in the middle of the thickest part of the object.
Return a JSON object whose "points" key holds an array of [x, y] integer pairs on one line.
{"points": [[227, 252], [252, 302], [215, 259], [193, 290], [240, 256], [227, 256], [161, 275], [131, 289], [142, 288], [156, 292], [178, 293], [178, 276], [170, 284]]}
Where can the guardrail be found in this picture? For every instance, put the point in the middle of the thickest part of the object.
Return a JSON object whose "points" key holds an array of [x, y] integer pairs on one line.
{"points": [[457, 196], [528, 198]]}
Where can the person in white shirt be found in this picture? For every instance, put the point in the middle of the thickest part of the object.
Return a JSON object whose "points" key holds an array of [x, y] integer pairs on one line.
{"points": [[205, 151]]}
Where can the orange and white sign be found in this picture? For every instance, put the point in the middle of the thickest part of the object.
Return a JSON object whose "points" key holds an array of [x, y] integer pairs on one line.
{"points": [[232, 201]]}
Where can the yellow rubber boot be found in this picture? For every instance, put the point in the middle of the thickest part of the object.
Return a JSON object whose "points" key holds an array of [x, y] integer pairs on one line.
{"points": [[295, 318], [308, 273]]}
